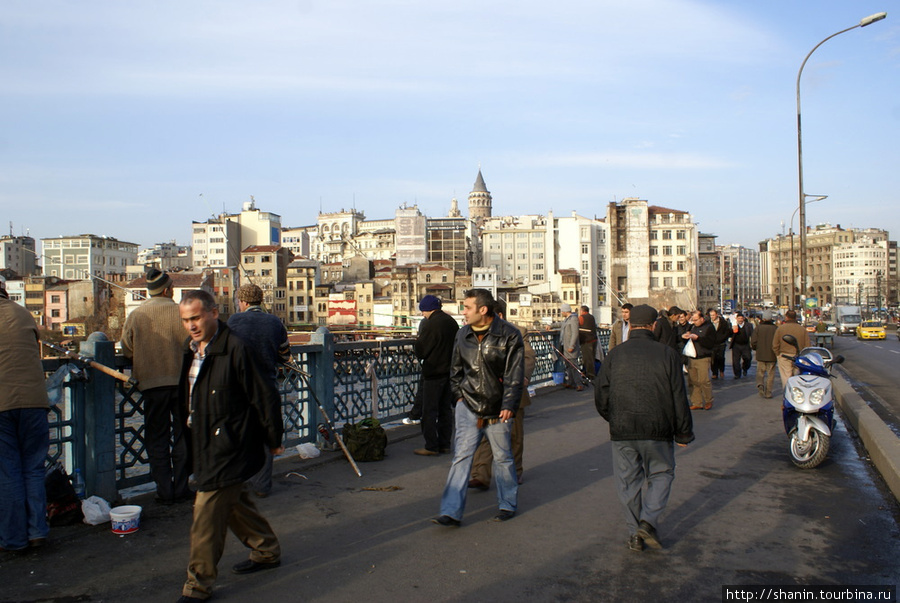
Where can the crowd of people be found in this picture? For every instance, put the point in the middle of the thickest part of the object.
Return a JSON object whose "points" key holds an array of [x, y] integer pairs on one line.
{"points": [[213, 411]]}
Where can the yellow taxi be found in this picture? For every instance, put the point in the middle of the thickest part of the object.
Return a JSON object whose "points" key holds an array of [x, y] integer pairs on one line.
{"points": [[870, 329]]}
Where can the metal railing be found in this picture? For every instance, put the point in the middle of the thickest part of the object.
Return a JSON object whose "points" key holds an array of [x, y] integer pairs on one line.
{"points": [[97, 425]]}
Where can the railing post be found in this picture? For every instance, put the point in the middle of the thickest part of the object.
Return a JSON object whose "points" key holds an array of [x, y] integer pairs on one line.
{"points": [[322, 375], [100, 420]]}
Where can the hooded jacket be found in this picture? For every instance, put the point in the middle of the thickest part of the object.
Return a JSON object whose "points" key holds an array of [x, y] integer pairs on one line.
{"points": [[235, 412], [640, 391], [488, 375]]}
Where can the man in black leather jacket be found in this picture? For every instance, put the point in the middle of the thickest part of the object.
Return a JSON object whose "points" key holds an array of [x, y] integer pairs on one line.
{"points": [[486, 376]]}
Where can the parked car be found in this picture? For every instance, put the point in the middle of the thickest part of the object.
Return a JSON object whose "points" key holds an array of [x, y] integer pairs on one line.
{"points": [[870, 329]]}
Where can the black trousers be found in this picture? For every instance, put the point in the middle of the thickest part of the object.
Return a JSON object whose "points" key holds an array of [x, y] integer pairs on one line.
{"points": [[437, 413], [717, 364], [166, 441], [741, 356]]}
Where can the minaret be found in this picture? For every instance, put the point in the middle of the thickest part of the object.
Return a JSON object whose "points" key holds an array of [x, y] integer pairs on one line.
{"points": [[479, 200]]}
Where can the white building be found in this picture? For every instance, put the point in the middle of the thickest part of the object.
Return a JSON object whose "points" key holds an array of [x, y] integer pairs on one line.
{"points": [[217, 243], [80, 257], [860, 272], [166, 256]]}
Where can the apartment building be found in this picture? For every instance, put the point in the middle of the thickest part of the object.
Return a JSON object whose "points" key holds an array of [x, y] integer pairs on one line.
{"points": [[85, 256], [217, 243], [19, 255]]}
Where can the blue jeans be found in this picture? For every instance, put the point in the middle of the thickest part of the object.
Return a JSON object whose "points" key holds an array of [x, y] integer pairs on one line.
{"points": [[468, 437], [24, 441]]}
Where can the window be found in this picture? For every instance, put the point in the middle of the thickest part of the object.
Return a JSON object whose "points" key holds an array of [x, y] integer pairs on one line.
{"points": [[682, 250], [654, 235], [54, 299], [667, 235], [585, 249], [250, 259], [654, 266], [667, 250]]}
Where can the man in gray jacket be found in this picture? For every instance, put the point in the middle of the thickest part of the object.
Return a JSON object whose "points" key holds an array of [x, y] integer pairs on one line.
{"points": [[761, 341], [568, 339], [640, 392]]}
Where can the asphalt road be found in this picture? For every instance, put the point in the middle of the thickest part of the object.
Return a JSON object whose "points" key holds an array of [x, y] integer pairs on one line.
{"points": [[873, 367], [740, 514]]}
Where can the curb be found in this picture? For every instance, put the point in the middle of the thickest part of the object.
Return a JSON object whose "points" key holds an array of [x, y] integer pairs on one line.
{"points": [[879, 441]]}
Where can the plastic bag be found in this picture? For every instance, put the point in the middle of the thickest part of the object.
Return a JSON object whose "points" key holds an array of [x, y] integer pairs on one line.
{"points": [[689, 349], [96, 510], [308, 451]]}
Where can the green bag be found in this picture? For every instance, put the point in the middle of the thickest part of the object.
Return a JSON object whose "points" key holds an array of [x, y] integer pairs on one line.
{"points": [[365, 440]]}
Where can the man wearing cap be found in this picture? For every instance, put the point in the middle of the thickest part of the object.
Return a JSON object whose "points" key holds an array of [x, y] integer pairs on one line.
{"points": [[264, 334], [640, 392], [568, 339], [434, 347], [24, 430], [620, 329], [761, 341], [152, 339]]}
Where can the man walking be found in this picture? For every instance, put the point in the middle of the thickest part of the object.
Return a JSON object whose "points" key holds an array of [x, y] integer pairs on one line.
{"points": [[761, 341], [790, 326], [481, 466], [741, 354], [640, 392], [434, 347], [723, 332], [486, 375], [703, 336], [619, 331], [266, 336], [587, 339], [568, 339], [234, 409], [153, 338], [24, 430]]}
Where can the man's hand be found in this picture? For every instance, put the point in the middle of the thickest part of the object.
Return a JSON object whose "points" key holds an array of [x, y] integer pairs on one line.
{"points": [[506, 415], [682, 445], [277, 451]]}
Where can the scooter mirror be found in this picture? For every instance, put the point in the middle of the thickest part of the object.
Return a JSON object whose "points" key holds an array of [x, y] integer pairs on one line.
{"points": [[837, 359], [790, 340]]}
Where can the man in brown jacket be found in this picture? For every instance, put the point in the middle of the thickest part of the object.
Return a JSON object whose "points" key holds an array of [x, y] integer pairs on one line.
{"points": [[24, 430], [790, 326], [153, 338]]}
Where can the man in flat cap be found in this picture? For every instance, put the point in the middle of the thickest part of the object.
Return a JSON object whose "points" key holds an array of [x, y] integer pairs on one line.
{"points": [[266, 336], [152, 338], [434, 347], [640, 392], [568, 339]]}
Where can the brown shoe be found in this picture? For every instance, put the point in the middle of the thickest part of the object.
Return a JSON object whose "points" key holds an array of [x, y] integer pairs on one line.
{"points": [[696, 407], [425, 452], [708, 406], [477, 483]]}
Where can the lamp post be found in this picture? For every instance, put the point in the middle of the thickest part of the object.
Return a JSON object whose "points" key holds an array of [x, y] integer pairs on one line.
{"points": [[801, 206]]}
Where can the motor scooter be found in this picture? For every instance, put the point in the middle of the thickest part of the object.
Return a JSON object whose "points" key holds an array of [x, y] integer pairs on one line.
{"points": [[808, 404]]}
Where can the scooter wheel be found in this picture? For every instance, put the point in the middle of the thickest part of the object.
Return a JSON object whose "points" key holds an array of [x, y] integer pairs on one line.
{"points": [[811, 453]]}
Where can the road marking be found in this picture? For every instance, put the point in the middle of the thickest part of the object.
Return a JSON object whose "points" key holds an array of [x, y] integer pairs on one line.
{"points": [[895, 352]]}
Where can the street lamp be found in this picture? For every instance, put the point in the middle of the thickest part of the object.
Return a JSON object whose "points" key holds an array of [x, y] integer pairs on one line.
{"points": [[801, 206], [801, 285]]}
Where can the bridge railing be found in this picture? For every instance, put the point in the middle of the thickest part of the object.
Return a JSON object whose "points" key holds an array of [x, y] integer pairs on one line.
{"points": [[97, 422]]}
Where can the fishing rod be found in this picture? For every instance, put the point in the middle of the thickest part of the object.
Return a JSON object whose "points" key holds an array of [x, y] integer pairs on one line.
{"points": [[584, 376], [93, 364], [305, 377]]}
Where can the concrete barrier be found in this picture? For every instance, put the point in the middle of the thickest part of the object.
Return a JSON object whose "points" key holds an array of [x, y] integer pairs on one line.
{"points": [[880, 442]]}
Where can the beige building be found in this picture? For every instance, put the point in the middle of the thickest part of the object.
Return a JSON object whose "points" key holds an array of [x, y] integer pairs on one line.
{"points": [[217, 243], [302, 278], [266, 266]]}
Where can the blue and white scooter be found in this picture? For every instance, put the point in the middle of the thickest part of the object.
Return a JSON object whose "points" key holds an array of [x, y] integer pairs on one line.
{"points": [[808, 405]]}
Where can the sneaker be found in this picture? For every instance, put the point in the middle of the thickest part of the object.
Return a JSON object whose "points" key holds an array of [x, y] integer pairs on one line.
{"points": [[408, 421], [635, 543], [504, 515], [648, 534], [446, 521]]}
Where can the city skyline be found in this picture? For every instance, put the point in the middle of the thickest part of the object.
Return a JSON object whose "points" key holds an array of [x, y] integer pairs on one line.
{"points": [[132, 122]]}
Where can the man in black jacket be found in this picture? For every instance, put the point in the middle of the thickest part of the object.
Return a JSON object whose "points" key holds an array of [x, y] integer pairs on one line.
{"points": [[233, 411], [703, 337], [433, 347], [723, 332], [486, 374], [640, 392], [741, 354]]}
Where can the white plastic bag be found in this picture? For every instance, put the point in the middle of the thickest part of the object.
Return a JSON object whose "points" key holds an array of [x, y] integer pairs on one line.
{"points": [[689, 349], [96, 510], [308, 451]]}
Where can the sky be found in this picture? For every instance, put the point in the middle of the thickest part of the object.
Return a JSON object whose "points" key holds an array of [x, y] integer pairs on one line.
{"points": [[133, 119]]}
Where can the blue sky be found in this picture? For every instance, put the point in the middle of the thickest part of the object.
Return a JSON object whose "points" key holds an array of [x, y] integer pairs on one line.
{"points": [[133, 119]]}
